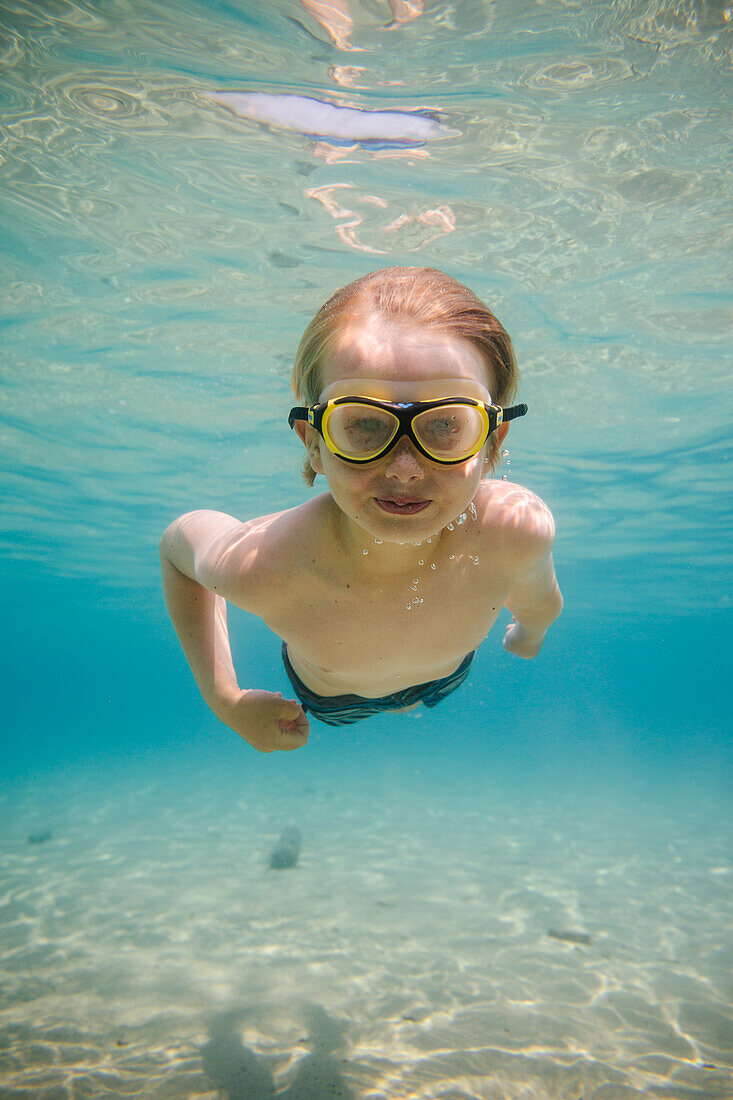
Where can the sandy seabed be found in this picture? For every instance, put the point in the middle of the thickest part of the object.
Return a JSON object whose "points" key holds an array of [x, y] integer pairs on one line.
{"points": [[147, 949]]}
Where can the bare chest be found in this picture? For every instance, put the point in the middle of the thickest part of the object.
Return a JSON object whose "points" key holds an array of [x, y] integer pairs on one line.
{"points": [[381, 633]]}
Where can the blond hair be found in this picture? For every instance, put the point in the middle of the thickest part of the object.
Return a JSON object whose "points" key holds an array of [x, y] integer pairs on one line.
{"points": [[423, 296]]}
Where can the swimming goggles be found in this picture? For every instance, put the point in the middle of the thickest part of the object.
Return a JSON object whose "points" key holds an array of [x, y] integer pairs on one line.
{"points": [[362, 429]]}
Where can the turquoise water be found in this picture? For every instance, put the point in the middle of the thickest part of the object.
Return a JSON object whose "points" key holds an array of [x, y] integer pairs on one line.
{"points": [[161, 257]]}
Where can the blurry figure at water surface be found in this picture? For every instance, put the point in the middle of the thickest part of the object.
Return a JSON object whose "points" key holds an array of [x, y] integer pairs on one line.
{"points": [[336, 19], [382, 587]]}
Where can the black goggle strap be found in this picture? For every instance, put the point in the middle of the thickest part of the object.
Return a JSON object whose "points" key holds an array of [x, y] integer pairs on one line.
{"points": [[513, 412]]}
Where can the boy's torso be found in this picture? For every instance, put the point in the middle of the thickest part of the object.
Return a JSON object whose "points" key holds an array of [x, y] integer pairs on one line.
{"points": [[357, 630]]}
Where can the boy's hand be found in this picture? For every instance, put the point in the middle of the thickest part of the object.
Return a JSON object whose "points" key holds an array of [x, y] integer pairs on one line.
{"points": [[522, 641], [267, 721]]}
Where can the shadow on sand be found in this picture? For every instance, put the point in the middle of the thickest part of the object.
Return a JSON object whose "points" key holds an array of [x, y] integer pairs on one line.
{"points": [[242, 1075]]}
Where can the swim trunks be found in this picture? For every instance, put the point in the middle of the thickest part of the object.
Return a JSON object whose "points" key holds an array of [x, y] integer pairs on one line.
{"points": [[341, 710]]}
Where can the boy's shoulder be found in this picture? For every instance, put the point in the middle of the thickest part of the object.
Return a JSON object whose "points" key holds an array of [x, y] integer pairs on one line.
{"points": [[276, 530], [288, 532], [515, 514], [276, 545]]}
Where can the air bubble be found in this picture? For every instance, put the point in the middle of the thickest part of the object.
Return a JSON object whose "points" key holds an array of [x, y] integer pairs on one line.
{"points": [[472, 510], [505, 453], [432, 565], [451, 557], [421, 561], [379, 542], [450, 527], [428, 540], [504, 477], [365, 551], [408, 607], [462, 518]]}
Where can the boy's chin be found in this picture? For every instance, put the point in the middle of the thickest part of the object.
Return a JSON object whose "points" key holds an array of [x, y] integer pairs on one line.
{"points": [[375, 524], [407, 530]]}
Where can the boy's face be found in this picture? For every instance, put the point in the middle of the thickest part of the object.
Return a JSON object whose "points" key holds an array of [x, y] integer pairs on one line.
{"points": [[403, 496]]}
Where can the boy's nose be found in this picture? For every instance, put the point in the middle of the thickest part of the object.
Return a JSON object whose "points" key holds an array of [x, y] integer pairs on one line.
{"points": [[404, 463]]}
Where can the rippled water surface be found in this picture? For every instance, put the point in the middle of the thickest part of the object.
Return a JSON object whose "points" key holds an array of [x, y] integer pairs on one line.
{"points": [[162, 255]]}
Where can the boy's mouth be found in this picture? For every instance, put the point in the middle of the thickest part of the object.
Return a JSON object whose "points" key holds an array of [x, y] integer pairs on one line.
{"points": [[401, 506]]}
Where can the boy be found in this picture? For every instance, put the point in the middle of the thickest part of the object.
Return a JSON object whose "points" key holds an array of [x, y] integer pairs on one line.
{"points": [[383, 587]]}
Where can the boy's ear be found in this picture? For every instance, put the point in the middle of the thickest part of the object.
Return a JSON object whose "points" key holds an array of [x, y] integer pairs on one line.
{"points": [[312, 443], [494, 446]]}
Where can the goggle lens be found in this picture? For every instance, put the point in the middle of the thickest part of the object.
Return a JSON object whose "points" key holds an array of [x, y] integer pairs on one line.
{"points": [[359, 431], [449, 432], [452, 431]]}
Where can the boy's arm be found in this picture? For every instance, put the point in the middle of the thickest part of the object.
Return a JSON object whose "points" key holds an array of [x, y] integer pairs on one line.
{"points": [[535, 601], [204, 557]]}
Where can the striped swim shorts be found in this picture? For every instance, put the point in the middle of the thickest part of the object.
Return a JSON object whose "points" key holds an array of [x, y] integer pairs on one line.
{"points": [[341, 710]]}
